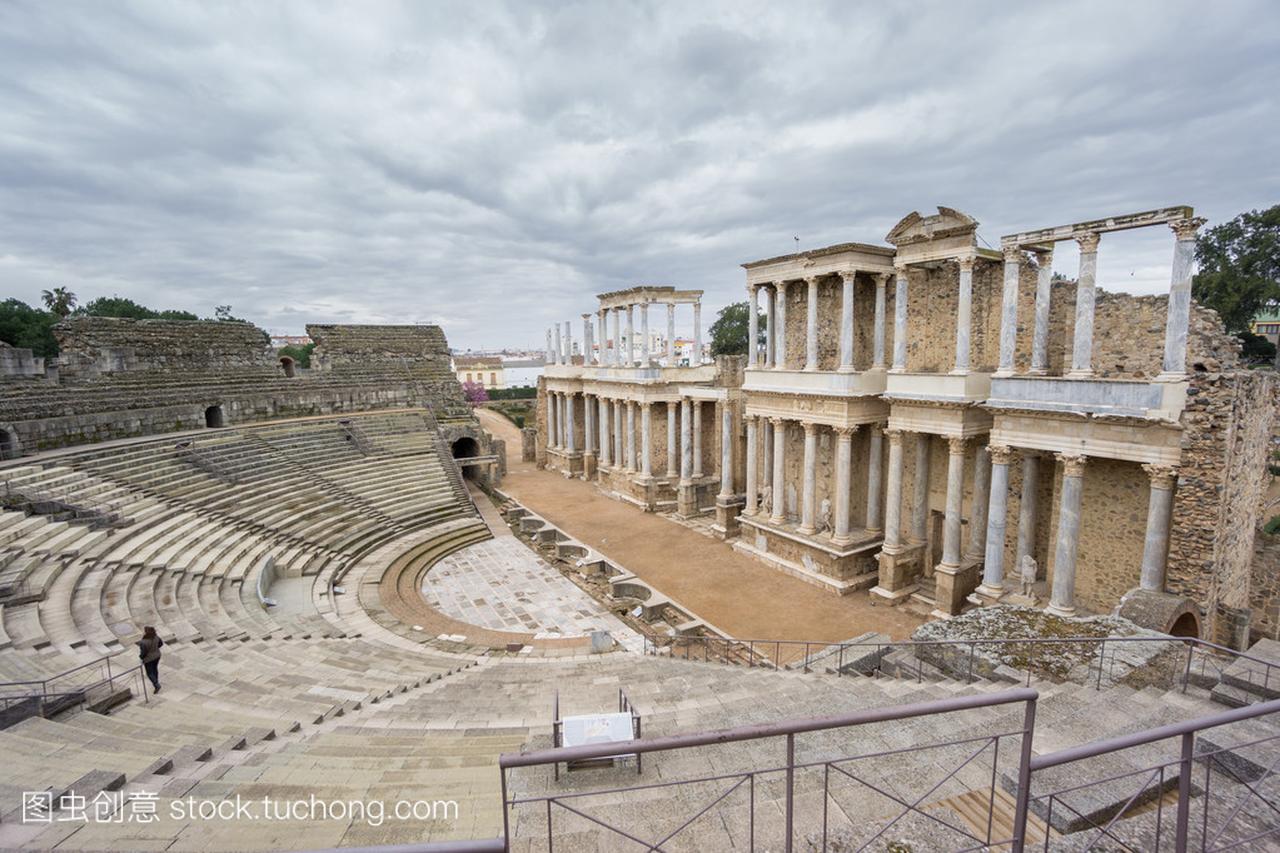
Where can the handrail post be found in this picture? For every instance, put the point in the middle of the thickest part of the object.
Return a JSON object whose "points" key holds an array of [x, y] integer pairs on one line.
{"points": [[1102, 657], [972, 651], [791, 786], [1186, 672], [1184, 793], [506, 828], [1024, 779]]}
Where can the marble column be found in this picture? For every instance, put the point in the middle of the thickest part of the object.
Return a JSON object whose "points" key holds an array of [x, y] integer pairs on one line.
{"points": [[811, 325], [587, 350], [964, 316], [900, 321], [877, 335], [992, 585], [1044, 296], [671, 334], [1027, 508], [1155, 548], [920, 489], [570, 439], [780, 331], [568, 342], [955, 494], [1179, 318], [697, 335], [1009, 310], [553, 430], [752, 452], [588, 426], [808, 508], [602, 356], [726, 450], [686, 441], [846, 321], [753, 327], [1082, 346], [617, 337], [766, 455], [631, 436], [646, 441], [629, 348], [673, 449], [619, 457], [644, 334], [771, 331], [606, 440], [559, 350], [1062, 600], [697, 439], [893, 496], [779, 499], [978, 507], [551, 353], [875, 500], [844, 462]]}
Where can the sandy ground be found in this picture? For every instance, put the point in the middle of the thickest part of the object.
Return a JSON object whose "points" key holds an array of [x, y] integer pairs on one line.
{"points": [[736, 593]]}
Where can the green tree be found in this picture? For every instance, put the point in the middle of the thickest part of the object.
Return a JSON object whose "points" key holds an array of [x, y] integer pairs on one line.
{"points": [[301, 355], [1240, 267], [28, 328], [59, 300], [732, 326], [119, 306]]}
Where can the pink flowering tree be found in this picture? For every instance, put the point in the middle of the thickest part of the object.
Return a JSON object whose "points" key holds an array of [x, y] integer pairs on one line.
{"points": [[475, 393]]}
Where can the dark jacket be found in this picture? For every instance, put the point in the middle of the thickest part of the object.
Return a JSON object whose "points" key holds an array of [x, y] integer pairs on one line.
{"points": [[149, 650]]}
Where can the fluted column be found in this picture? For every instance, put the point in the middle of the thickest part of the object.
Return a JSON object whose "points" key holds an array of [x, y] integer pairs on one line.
{"points": [[726, 450], [1009, 310], [893, 496], [686, 441], [551, 353], [646, 441], [846, 320], [559, 351], [568, 342], [877, 338], [753, 326], [900, 321], [780, 331], [1179, 319], [955, 494], [810, 481], [570, 439], [811, 325], [844, 462], [697, 335], [629, 349], [771, 313], [964, 316], [673, 449], [875, 456], [920, 489], [588, 426], [1155, 549], [617, 337], [1062, 601], [697, 439], [602, 355], [766, 455], [644, 334], [588, 354], [779, 514], [553, 432], [978, 508], [1044, 295], [1027, 507], [606, 439], [1082, 347], [619, 430], [992, 585], [752, 452], [631, 436], [671, 334]]}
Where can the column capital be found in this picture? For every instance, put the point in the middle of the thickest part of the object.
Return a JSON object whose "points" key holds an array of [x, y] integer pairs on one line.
{"points": [[1072, 464], [1001, 454], [1185, 229], [966, 262], [848, 275], [778, 422], [811, 280], [882, 278], [894, 436], [1013, 254], [646, 405], [1044, 257], [900, 270], [1162, 476], [810, 427], [1088, 241], [957, 444], [846, 431]]}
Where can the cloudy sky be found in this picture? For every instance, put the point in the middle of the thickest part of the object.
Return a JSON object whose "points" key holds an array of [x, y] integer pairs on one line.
{"points": [[490, 166]]}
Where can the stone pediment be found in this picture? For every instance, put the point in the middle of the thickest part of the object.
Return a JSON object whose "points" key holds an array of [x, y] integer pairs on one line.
{"points": [[947, 222]]}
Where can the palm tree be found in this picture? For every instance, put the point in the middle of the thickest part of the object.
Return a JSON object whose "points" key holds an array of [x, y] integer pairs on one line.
{"points": [[59, 300]]}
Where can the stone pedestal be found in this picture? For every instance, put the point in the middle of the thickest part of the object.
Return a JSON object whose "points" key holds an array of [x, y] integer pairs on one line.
{"points": [[687, 499], [952, 587], [899, 568], [588, 466], [727, 510]]}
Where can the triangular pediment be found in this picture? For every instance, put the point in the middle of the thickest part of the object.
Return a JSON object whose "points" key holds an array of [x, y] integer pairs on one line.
{"points": [[947, 222]]}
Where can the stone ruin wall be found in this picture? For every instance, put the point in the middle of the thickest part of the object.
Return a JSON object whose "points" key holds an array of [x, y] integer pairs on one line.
{"points": [[1264, 582], [89, 347]]}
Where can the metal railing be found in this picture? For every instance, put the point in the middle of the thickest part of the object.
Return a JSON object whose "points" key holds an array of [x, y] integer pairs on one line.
{"points": [[963, 660], [829, 768], [74, 686]]}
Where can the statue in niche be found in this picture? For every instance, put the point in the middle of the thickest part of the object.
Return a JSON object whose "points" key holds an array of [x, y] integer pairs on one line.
{"points": [[824, 516], [766, 502], [1027, 571]]}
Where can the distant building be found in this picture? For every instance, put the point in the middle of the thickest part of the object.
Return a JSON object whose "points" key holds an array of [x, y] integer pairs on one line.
{"points": [[278, 341], [1267, 325], [484, 369]]}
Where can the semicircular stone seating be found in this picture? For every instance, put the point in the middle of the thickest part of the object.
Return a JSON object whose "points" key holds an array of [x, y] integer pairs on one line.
{"points": [[355, 696]]}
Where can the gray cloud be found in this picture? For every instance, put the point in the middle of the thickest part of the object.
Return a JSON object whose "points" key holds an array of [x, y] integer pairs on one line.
{"points": [[492, 166]]}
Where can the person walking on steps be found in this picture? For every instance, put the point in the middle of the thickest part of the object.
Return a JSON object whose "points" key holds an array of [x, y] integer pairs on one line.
{"points": [[149, 653]]}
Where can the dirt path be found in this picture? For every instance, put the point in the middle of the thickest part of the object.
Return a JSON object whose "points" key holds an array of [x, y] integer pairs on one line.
{"points": [[736, 593]]}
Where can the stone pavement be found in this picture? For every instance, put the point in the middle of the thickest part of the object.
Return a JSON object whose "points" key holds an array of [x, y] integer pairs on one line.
{"points": [[500, 584]]}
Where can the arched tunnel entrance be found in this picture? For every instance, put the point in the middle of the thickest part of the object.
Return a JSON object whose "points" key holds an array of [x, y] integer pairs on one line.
{"points": [[465, 448]]}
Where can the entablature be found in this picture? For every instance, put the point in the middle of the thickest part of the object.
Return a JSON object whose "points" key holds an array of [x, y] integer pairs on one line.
{"points": [[829, 411]]}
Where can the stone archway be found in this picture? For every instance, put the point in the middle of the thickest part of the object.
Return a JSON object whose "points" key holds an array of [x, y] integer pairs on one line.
{"points": [[288, 365], [213, 417], [9, 448], [465, 448], [1186, 625]]}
